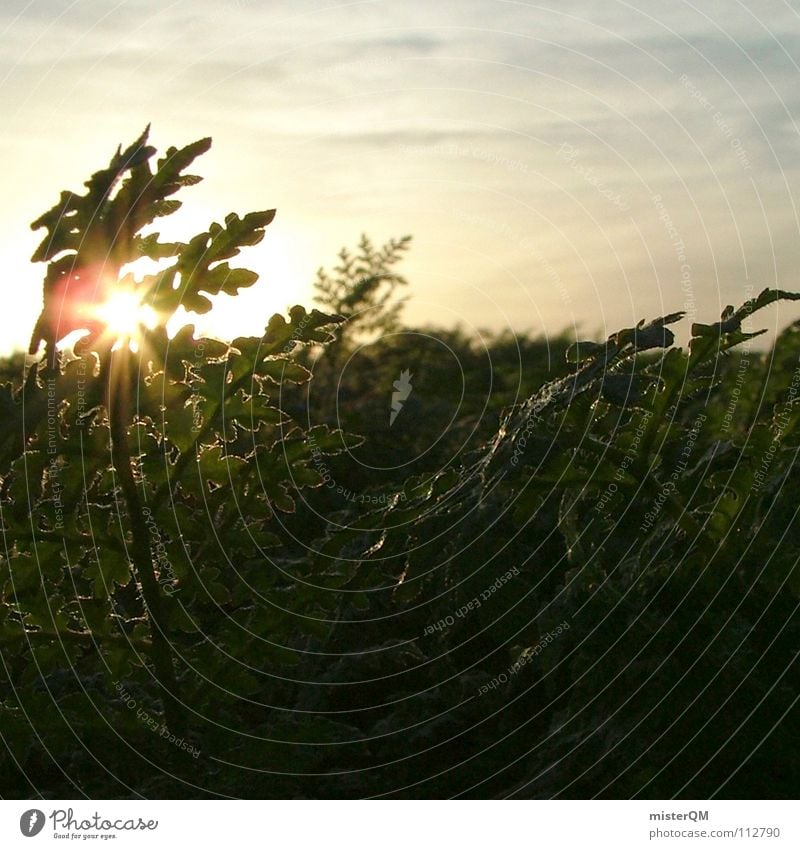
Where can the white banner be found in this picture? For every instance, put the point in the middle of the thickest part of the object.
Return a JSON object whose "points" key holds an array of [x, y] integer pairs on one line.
{"points": [[401, 824]]}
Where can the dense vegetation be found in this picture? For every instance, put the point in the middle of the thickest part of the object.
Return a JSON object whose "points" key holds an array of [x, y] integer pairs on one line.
{"points": [[351, 558]]}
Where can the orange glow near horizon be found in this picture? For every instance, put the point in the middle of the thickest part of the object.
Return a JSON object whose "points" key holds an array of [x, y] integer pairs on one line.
{"points": [[104, 307], [97, 304]]}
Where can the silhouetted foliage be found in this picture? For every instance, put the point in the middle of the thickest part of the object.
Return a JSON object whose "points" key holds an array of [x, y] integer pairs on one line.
{"points": [[542, 570]]}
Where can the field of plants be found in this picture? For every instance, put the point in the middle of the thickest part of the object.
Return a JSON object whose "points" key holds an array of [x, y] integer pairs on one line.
{"points": [[352, 558]]}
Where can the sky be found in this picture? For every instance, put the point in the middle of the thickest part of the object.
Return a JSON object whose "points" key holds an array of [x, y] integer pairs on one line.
{"points": [[573, 166]]}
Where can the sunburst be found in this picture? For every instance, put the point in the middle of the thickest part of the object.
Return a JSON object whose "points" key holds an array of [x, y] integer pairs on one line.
{"points": [[122, 316]]}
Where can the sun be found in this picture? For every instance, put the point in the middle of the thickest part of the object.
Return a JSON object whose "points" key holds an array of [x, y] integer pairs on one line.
{"points": [[123, 315]]}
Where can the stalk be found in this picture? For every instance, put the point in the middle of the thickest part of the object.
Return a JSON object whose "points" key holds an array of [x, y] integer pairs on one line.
{"points": [[119, 391]]}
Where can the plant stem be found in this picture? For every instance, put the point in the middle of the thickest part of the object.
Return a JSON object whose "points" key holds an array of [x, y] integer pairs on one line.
{"points": [[161, 653]]}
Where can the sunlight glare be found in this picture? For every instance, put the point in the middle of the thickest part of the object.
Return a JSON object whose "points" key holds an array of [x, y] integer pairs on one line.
{"points": [[123, 314]]}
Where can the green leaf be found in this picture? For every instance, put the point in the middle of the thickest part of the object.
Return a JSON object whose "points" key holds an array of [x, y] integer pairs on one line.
{"points": [[107, 570]]}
